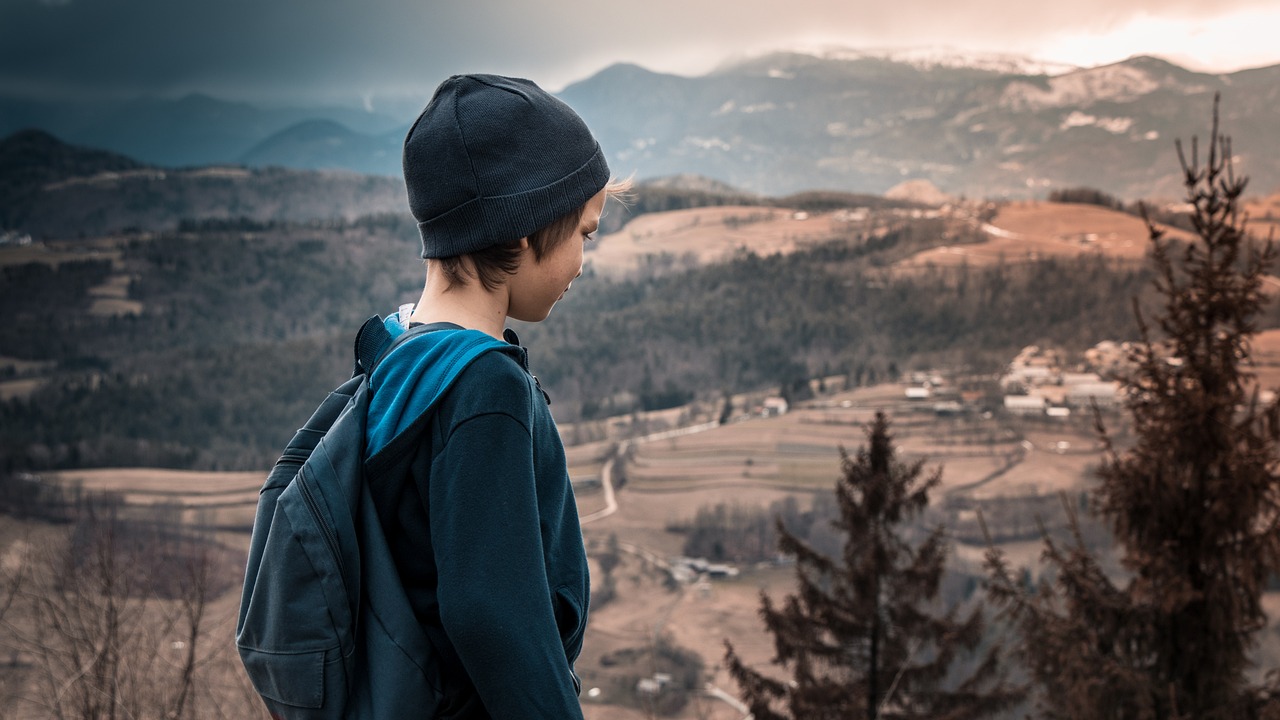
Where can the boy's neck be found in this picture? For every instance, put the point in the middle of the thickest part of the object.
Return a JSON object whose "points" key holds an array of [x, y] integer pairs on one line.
{"points": [[471, 305]]}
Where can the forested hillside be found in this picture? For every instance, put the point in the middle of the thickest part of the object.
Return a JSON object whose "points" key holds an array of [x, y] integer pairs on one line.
{"points": [[243, 328]]}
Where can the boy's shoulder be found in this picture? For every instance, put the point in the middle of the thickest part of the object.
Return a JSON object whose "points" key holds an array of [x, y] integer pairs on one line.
{"points": [[494, 382], [450, 372]]}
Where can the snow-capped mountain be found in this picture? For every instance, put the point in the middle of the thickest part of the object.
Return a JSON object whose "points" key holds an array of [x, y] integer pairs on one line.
{"points": [[929, 57], [867, 120], [977, 125]]}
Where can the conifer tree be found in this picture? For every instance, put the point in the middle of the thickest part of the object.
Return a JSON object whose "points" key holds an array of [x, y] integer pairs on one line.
{"points": [[1194, 502], [858, 637]]}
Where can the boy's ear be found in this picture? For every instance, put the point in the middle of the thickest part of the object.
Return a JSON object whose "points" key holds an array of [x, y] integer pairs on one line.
{"points": [[524, 243]]}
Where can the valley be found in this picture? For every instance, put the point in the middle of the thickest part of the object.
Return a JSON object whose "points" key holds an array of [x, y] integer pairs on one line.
{"points": [[941, 301], [749, 462], [1009, 467]]}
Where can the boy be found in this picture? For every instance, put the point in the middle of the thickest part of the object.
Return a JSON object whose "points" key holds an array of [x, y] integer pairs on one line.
{"points": [[507, 184]]}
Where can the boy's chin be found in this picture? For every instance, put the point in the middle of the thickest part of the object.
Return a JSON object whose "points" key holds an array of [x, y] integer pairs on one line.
{"points": [[531, 317]]}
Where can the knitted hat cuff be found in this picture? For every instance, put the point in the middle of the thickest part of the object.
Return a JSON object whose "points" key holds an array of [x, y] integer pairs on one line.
{"points": [[488, 221]]}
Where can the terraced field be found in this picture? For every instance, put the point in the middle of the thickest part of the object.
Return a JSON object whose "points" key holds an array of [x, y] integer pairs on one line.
{"points": [[224, 500], [758, 460]]}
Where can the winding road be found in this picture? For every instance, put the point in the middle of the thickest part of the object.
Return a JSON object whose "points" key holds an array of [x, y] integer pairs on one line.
{"points": [[606, 473], [611, 507]]}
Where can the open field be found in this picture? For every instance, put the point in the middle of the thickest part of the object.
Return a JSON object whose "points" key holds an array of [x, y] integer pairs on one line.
{"points": [[1031, 230], [55, 253], [700, 236], [1264, 215], [1266, 359], [1020, 232], [218, 499], [11, 389], [112, 298]]}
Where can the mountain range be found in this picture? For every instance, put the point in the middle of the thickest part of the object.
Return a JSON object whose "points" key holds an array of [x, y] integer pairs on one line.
{"points": [[787, 121], [780, 123]]}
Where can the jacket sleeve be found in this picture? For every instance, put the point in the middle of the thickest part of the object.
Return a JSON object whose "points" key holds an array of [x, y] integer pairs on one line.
{"points": [[494, 595]]}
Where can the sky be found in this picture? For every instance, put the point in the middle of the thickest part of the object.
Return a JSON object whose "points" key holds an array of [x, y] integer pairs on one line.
{"points": [[367, 52]]}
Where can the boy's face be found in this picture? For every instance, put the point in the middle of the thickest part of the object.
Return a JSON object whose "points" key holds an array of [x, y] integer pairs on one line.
{"points": [[537, 285]]}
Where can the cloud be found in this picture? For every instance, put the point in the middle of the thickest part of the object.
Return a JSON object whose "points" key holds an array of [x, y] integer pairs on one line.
{"points": [[347, 49], [1237, 39]]}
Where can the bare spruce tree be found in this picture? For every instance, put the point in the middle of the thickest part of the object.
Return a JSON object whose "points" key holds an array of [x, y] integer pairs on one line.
{"points": [[858, 639], [1194, 502]]}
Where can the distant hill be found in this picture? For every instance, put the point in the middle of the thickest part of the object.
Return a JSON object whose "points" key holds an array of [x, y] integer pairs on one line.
{"points": [[977, 127], [31, 159], [321, 144], [693, 183], [54, 190], [194, 129]]}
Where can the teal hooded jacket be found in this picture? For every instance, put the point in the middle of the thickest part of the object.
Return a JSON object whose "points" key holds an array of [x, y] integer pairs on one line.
{"points": [[483, 525]]}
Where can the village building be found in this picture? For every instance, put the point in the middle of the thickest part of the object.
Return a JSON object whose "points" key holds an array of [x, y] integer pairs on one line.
{"points": [[1103, 394], [947, 408], [774, 406], [918, 393], [1080, 378], [1025, 404]]}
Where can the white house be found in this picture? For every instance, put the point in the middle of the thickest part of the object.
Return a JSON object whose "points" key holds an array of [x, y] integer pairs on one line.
{"points": [[1025, 404], [1104, 394], [775, 406]]}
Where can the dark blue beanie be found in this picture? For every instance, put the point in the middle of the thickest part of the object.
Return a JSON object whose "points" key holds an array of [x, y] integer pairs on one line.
{"points": [[492, 159]]}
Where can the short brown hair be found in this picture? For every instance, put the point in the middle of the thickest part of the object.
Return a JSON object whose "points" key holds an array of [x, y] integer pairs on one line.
{"points": [[493, 264]]}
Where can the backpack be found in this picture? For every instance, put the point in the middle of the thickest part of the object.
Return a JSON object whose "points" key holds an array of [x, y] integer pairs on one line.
{"points": [[325, 629]]}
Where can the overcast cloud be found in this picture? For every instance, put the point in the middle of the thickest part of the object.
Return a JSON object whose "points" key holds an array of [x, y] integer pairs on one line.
{"points": [[343, 50]]}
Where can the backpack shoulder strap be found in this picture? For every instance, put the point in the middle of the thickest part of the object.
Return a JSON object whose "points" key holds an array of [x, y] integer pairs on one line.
{"points": [[372, 337], [374, 342]]}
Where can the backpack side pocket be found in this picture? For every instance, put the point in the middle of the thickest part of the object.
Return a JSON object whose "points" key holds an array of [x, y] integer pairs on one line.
{"points": [[291, 636]]}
